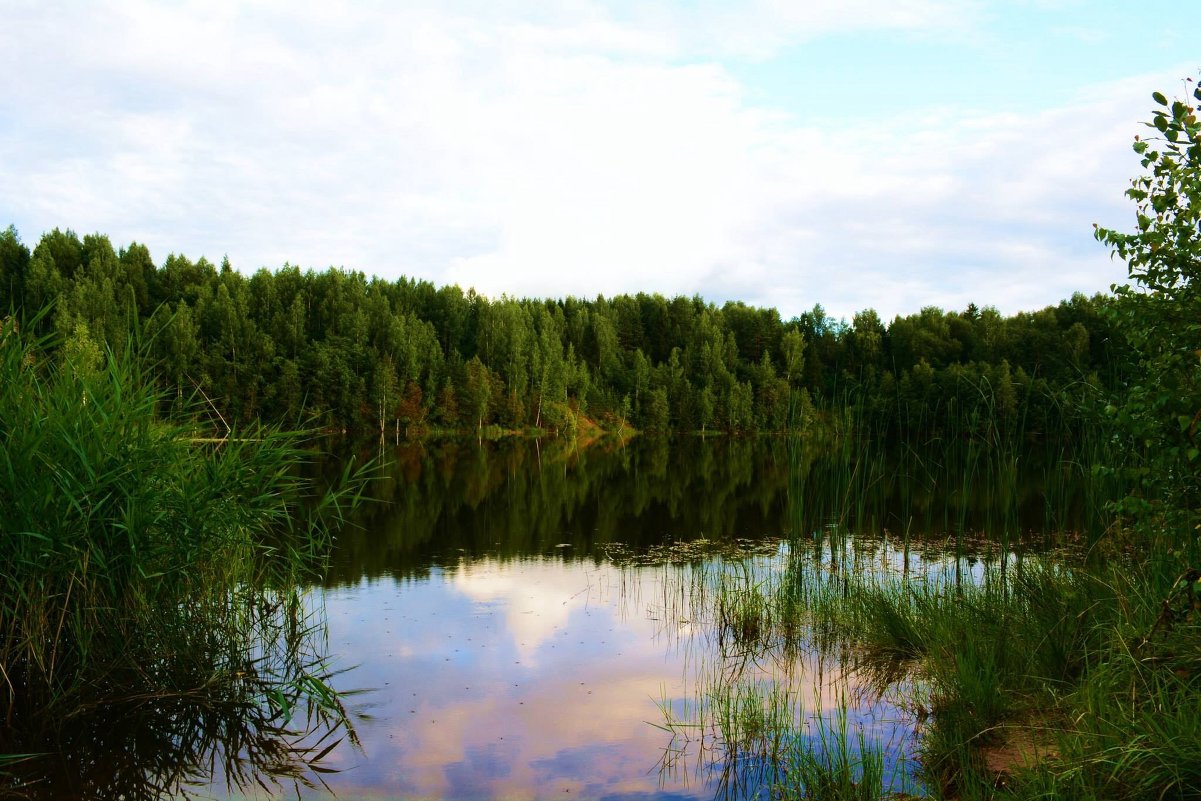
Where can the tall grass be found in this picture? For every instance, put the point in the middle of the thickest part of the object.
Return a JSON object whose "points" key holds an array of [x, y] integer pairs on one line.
{"points": [[140, 569], [990, 651], [755, 654], [1040, 678], [979, 578], [754, 738], [1071, 676], [834, 764]]}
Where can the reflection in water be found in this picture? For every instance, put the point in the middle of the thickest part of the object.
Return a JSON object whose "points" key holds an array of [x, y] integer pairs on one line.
{"points": [[539, 678], [446, 500], [536, 621], [515, 678], [773, 692], [526, 616], [519, 499], [256, 711]]}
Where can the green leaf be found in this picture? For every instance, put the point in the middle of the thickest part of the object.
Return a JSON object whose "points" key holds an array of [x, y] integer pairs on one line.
{"points": [[1159, 98]]}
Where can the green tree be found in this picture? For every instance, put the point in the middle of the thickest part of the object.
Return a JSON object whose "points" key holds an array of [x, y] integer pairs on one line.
{"points": [[1160, 313], [82, 354], [14, 263], [705, 408], [477, 390], [794, 355], [385, 390], [867, 339], [657, 411], [176, 346], [740, 406]]}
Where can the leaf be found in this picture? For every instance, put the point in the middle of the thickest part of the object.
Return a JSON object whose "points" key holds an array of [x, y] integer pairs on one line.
{"points": [[325, 752], [35, 535], [1159, 98]]}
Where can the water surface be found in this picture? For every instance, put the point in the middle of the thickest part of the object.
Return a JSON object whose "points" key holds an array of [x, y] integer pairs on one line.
{"points": [[522, 613]]}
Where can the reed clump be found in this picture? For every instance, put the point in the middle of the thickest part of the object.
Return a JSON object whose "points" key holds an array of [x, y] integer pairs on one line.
{"points": [[140, 568], [833, 765], [1046, 680]]}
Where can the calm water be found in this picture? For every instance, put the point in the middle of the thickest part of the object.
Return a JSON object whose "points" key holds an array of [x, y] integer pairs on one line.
{"points": [[529, 620], [522, 614]]}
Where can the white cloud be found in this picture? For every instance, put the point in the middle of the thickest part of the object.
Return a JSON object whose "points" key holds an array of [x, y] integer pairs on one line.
{"points": [[759, 29], [537, 602], [572, 151]]}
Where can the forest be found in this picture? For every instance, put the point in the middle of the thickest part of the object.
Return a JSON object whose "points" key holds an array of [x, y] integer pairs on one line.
{"points": [[347, 352]]}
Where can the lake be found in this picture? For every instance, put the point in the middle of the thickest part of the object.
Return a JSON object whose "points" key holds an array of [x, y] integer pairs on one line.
{"points": [[540, 620], [521, 612]]}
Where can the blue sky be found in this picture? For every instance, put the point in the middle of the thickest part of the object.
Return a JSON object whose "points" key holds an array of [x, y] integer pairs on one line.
{"points": [[889, 154]]}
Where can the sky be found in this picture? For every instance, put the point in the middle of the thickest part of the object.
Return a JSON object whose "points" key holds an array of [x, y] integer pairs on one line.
{"points": [[885, 154]]}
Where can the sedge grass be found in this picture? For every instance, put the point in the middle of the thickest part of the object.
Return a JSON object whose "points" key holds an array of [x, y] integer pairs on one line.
{"points": [[1092, 668], [1037, 672], [142, 571]]}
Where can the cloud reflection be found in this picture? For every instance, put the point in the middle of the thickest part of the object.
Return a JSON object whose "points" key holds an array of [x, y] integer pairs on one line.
{"points": [[522, 678]]}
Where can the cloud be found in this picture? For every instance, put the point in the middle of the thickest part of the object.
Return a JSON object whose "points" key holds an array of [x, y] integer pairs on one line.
{"points": [[536, 604], [945, 208], [580, 149], [759, 29]]}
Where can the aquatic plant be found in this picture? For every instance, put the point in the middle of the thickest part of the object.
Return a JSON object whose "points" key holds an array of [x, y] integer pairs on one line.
{"points": [[144, 571], [834, 765]]}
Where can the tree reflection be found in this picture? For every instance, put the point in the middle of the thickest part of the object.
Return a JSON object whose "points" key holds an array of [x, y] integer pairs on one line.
{"points": [[262, 711], [443, 501]]}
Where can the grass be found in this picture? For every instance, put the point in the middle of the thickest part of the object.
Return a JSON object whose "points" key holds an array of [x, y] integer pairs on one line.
{"points": [[1065, 665], [753, 738], [1093, 669], [147, 575], [836, 766], [755, 657]]}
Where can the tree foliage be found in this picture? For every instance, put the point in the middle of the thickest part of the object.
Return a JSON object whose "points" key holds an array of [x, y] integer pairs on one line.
{"points": [[365, 354], [1159, 314]]}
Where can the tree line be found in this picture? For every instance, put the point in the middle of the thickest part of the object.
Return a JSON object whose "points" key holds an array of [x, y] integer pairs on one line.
{"points": [[359, 353]]}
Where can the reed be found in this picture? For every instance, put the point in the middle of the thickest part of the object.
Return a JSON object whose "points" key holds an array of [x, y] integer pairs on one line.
{"points": [[834, 764], [1057, 665], [1128, 726], [140, 569], [1046, 678]]}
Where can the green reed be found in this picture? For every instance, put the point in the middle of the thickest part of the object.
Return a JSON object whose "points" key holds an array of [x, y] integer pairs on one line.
{"points": [[143, 570], [1049, 676], [996, 631], [758, 650], [834, 764], [754, 736], [974, 573]]}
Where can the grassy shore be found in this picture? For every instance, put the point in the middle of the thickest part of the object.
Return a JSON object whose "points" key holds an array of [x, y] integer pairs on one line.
{"points": [[149, 579], [1065, 664]]}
